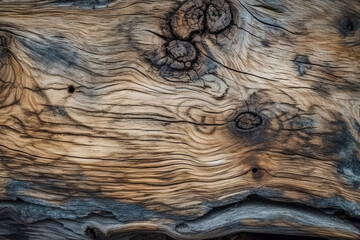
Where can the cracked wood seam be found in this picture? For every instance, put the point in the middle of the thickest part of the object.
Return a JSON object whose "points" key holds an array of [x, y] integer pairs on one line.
{"points": [[177, 116]]}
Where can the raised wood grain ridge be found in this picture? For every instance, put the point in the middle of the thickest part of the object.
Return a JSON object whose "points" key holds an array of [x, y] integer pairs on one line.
{"points": [[195, 118]]}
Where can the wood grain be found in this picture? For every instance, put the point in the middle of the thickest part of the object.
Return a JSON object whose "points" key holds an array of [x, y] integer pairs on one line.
{"points": [[135, 115]]}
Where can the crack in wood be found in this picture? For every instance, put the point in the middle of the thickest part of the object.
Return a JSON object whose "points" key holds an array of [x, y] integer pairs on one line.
{"points": [[251, 215], [86, 4]]}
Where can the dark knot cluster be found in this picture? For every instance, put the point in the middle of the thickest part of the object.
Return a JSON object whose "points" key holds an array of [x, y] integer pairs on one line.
{"points": [[193, 17]]}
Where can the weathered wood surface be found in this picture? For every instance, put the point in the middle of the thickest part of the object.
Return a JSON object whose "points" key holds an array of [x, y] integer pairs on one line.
{"points": [[179, 117]]}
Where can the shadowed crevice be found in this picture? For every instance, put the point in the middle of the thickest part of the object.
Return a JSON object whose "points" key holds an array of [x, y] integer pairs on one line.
{"points": [[86, 4]]}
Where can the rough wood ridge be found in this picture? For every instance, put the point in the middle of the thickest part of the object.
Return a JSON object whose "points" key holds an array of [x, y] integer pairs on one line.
{"points": [[196, 118]]}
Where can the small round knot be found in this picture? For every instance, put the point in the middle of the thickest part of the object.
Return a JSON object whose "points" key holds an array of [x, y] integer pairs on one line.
{"points": [[248, 121], [218, 16], [71, 89], [348, 26], [181, 54], [257, 172]]}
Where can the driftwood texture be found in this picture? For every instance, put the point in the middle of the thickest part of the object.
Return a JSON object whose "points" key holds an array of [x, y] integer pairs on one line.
{"points": [[196, 118]]}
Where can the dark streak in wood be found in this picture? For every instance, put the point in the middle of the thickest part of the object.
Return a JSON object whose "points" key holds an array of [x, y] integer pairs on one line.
{"points": [[52, 53], [3, 47], [86, 4]]}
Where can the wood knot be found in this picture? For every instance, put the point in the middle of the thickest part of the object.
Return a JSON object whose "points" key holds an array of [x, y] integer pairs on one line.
{"points": [[248, 121], [218, 16], [188, 18], [348, 26], [181, 54], [196, 16], [256, 172], [71, 89]]}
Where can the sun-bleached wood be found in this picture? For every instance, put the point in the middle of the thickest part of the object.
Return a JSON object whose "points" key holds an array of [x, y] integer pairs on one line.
{"points": [[177, 116]]}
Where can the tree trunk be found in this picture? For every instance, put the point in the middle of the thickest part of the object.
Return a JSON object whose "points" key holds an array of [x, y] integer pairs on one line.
{"points": [[192, 119]]}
